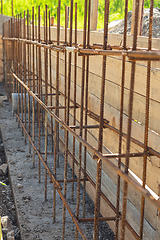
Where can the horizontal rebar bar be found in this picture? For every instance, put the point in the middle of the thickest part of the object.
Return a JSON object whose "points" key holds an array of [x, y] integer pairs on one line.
{"points": [[99, 219], [122, 155], [152, 55]]}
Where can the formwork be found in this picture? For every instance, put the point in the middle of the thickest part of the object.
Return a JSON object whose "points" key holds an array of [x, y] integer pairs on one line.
{"points": [[96, 97]]}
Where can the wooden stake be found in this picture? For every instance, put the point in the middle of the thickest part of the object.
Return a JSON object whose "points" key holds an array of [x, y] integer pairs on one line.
{"points": [[94, 15], [140, 17], [52, 21]]}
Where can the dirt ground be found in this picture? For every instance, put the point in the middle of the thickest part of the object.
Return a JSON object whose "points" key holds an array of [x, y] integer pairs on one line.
{"points": [[7, 207], [34, 215]]}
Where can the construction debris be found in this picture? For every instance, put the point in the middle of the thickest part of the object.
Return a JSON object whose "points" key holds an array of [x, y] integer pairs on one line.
{"points": [[3, 169]]}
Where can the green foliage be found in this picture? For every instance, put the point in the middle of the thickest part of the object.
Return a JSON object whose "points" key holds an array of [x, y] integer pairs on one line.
{"points": [[116, 8], [147, 3]]}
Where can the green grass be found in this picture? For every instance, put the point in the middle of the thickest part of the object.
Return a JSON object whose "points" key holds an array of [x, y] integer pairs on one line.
{"points": [[116, 8]]}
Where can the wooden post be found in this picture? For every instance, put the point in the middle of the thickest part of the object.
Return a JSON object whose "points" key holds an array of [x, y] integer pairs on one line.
{"points": [[140, 17], [52, 21], [94, 15]]}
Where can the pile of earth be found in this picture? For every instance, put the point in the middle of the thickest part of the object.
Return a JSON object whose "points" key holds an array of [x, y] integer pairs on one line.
{"points": [[119, 28]]}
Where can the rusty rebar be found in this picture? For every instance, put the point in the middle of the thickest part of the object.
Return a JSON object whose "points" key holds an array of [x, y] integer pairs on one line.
{"points": [[67, 119], [33, 102], [140, 54], [21, 73], [39, 93], [86, 107], [12, 35], [121, 119], [146, 120], [24, 69], [18, 68], [50, 76], [46, 93], [81, 116], [130, 109], [65, 70], [100, 140], [75, 96], [28, 70], [56, 127]]}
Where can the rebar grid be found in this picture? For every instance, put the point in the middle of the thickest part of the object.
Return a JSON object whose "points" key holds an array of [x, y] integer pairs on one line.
{"points": [[23, 49]]}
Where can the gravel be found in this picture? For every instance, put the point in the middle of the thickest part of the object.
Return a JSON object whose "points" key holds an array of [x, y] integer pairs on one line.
{"points": [[119, 29]]}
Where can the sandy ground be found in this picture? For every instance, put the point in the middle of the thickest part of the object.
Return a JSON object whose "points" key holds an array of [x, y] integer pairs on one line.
{"points": [[34, 214]]}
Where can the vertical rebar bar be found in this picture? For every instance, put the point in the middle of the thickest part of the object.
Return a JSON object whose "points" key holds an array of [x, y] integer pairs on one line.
{"points": [[7, 54], [18, 49], [14, 56], [46, 96], [56, 127], [3, 34], [75, 97], [44, 32], [39, 93], [146, 120], [67, 119], [12, 35], [33, 102], [24, 59], [81, 117], [16, 53], [130, 108], [50, 76], [121, 120], [65, 70], [28, 70], [57, 89], [86, 108], [100, 140], [21, 73], [6, 50], [36, 64]]}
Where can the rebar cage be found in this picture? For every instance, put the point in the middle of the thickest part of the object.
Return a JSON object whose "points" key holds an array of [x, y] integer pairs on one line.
{"points": [[56, 100]]}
